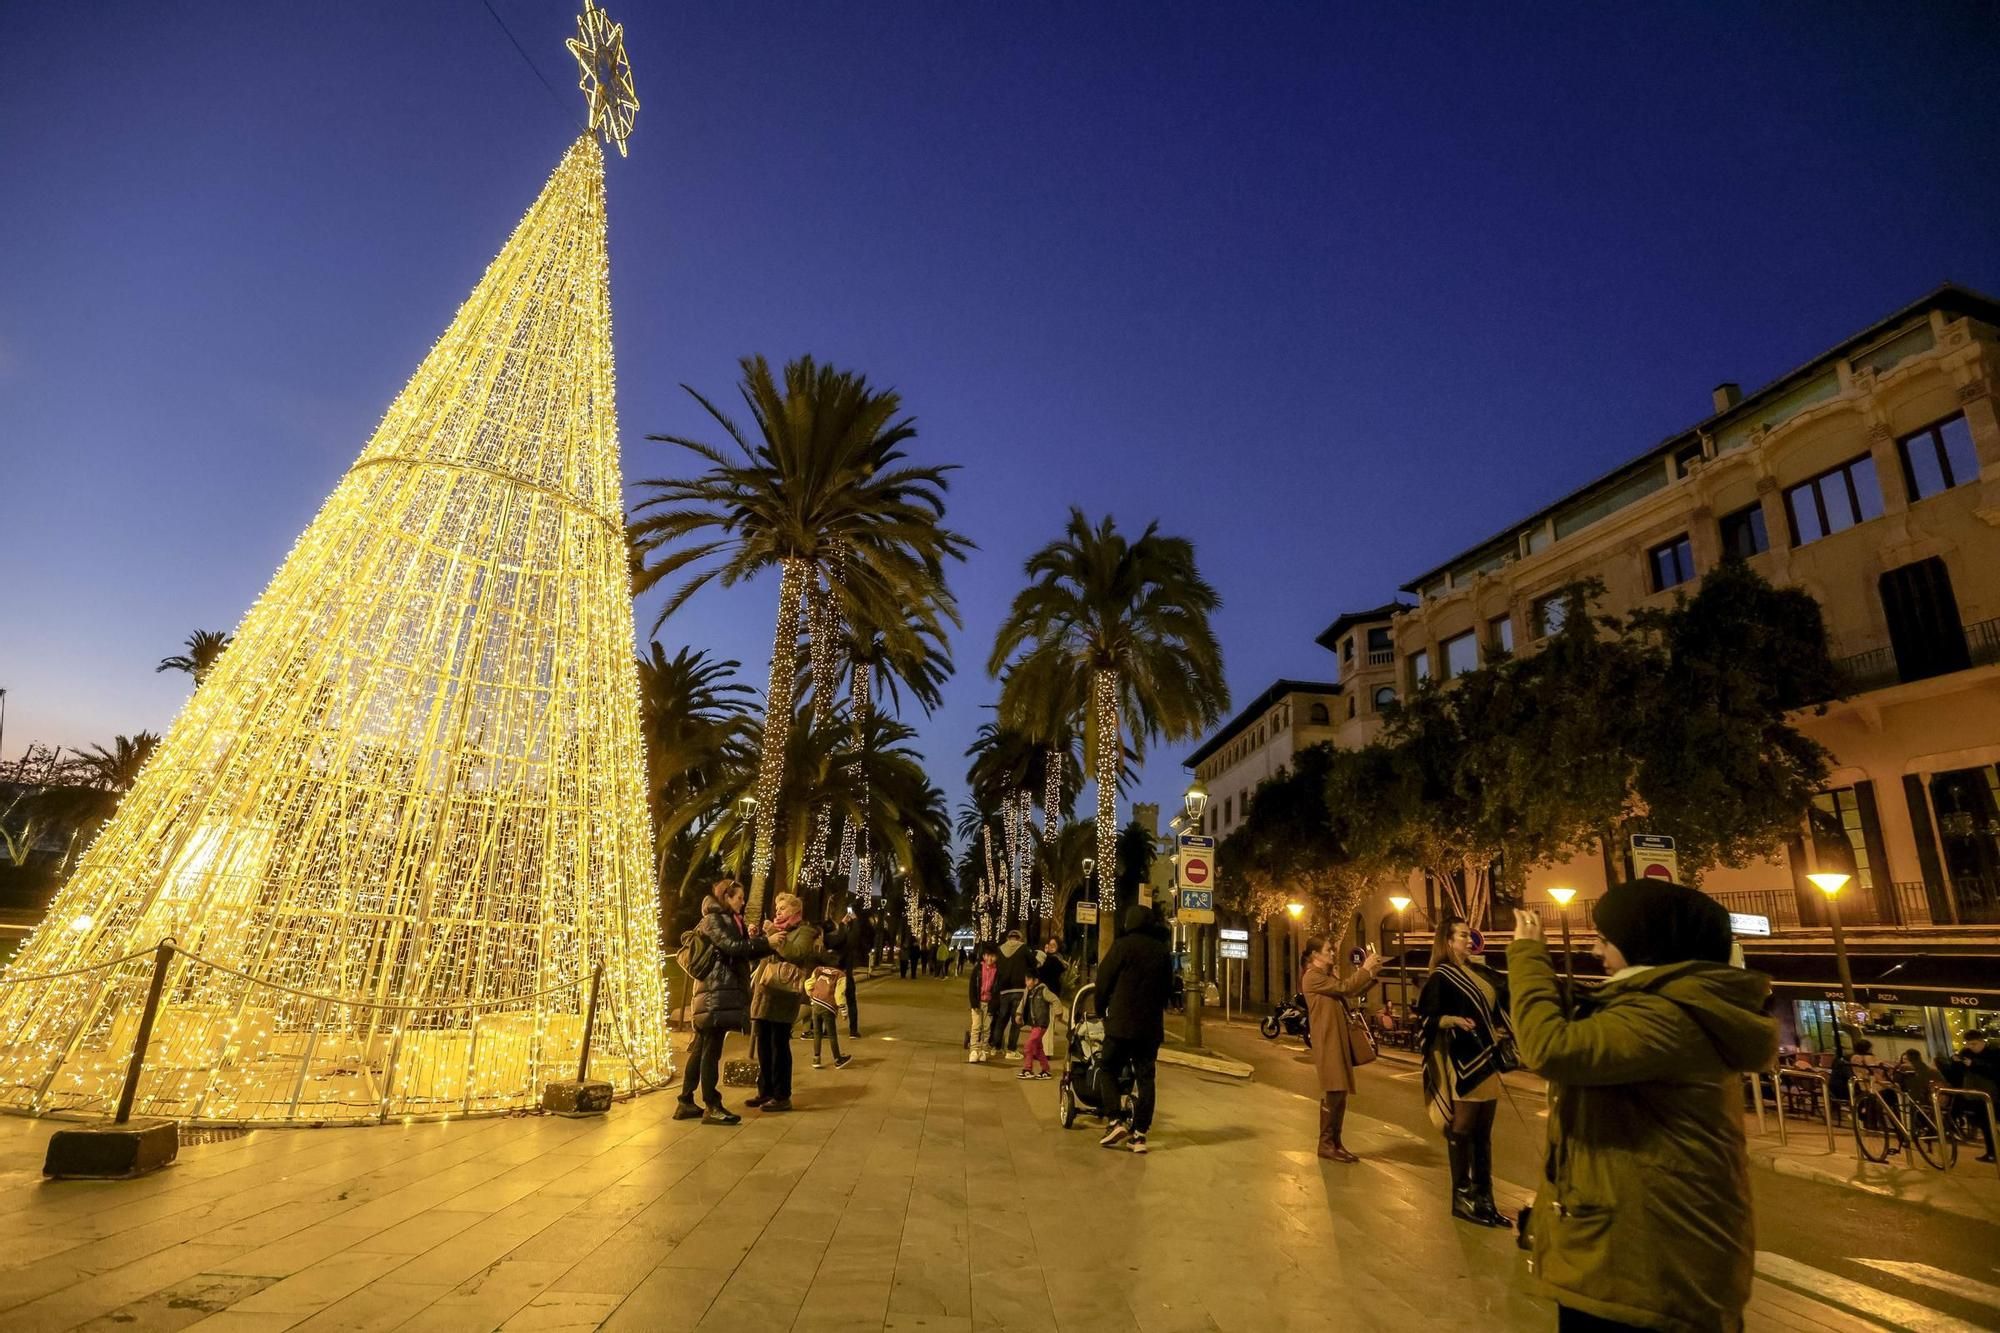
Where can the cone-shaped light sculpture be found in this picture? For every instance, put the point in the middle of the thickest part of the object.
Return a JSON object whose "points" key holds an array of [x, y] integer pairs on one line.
{"points": [[401, 821]]}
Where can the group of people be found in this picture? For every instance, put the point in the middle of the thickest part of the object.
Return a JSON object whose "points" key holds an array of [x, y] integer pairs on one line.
{"points": [[1974, 1068], [1011, 988], [1642, 1216], [798, 968]]}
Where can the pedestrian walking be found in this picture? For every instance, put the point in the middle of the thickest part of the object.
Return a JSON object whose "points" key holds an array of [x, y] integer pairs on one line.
{"points": [[1052, 967], [1326, 996], [1467, 1047], [1133, 983], [1016, 962], [720, 1001], [979, 994], [823, 1013], [1036, 1008], [941, 958], [777, 990], [1643, 1218]]}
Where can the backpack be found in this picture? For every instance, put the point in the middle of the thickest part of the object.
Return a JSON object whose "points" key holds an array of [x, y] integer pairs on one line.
{"points": [[696, 954], [824, 986]]}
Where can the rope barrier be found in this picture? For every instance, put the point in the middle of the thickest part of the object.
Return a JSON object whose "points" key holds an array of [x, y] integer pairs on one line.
{"points": [[376, 1004], [73, 971]]}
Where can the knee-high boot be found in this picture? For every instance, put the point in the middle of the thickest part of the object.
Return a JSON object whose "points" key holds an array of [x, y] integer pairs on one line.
{"points": [[1328, 1138], [1464, 1204], [1482, 1173]]}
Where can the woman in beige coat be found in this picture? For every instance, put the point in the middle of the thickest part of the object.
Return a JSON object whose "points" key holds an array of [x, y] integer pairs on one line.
{"points": [[1326, 994]]}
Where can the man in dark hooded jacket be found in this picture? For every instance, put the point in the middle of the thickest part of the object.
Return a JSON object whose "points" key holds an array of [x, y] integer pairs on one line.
{"points": [[1016, 961], [1643, 1217], [720, 1003], [1133, 985]]}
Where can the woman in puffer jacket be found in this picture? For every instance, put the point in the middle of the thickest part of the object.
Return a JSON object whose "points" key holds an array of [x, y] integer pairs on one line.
{"points": [[720, 1003]]}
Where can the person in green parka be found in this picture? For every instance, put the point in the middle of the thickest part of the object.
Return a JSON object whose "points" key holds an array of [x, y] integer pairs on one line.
{"points": [[1643, 1216]]}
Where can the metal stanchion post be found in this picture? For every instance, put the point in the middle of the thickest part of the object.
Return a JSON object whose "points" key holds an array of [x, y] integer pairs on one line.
{"points": [[125, 1147]]}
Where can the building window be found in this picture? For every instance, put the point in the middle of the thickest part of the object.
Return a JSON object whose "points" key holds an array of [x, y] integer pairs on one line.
{"points": [[1229, 810], [1686, 459], [1548, 613], [1500, 635], [1834, 501], [1350, 705], [1461, 654], [1384, 696], [1671, 563], [1347, 649], [1939, 457], [1743, 533], [1420, 667], [1318, 716], [1381, 647]]}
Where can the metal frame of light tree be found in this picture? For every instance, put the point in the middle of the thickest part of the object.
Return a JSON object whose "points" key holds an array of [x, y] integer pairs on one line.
{"points": [[403, 817]]}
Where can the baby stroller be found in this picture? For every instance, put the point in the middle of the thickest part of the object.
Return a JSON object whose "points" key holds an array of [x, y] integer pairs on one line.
{"points": [[1077, 1093]]}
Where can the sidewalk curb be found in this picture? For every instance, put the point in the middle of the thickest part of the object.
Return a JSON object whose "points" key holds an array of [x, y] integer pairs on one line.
{"points": [[1960, 1203], [1212, 1064]]}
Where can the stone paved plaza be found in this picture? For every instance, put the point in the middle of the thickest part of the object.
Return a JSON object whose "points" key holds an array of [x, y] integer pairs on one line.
{"points": [[908, 1191]]}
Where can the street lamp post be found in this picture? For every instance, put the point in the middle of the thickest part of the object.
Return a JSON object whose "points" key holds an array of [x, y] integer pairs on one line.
{"points": [[1193, 802], [1562, 897], [1831, 883], [1294, 910], [1402, 904], [1089, 864]]}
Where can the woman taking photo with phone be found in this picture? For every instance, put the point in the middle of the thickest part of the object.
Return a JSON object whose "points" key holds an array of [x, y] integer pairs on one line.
{"points": [[1327, 994], [1467, 1047]]}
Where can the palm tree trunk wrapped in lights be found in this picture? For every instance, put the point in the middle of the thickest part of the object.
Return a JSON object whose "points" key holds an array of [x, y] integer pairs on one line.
{"points": [[794, 579], [403, 818]]}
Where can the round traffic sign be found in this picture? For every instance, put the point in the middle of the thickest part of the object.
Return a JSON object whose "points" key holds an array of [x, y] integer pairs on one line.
{"points": [[1655, 871], [1196, 871]]}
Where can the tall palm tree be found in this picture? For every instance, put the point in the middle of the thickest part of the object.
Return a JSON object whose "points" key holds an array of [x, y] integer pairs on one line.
{"points": [[823, 479], [203, 646], [695, 716], [1124, 625]]}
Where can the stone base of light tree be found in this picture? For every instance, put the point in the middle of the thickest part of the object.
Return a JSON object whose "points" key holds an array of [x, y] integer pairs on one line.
{"points": [[112, 1152], [577, 1097]]}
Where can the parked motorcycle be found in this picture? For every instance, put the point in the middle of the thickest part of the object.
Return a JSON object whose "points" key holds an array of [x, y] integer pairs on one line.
{"points": [[1290, 1019]]}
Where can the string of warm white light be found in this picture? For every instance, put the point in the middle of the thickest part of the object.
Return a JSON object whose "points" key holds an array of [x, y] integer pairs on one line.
{"points": [[823, 637], [414, 784], [1109, 757], [794, 579], [1052, 776]]}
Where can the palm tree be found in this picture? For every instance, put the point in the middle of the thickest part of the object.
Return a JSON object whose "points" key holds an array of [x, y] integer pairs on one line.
{"points": [[93, 781], [204, 646], [696, 719], [824, 480], [1124, 625]]}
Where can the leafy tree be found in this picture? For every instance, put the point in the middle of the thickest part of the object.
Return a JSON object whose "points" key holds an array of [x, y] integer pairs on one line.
{"points": [[1721, 766], [1133, 853], [822, 487], [696, 719], [1116, 631], [204, 647], [1293, 846]]}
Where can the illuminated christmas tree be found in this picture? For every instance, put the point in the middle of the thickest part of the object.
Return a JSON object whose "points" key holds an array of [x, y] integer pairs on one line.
{"points": [[402, 819]]}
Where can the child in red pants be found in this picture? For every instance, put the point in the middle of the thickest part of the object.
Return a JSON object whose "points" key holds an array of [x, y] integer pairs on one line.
{"points": [[1035, 1015]]}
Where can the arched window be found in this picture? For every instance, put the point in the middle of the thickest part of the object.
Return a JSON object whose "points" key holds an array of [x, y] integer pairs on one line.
{"points": [[1318, 716], [1384, 696], [1351, 702]]}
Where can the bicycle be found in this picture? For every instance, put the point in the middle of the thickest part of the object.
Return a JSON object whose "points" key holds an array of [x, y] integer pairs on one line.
{"points": [[1880, 1131]]}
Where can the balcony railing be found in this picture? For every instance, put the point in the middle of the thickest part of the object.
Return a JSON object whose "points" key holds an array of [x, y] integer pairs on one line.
{"points": [[1876, 669], [1381, 656]]}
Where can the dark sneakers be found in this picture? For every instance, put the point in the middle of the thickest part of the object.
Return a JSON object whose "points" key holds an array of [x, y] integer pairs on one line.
{"points": [[758, 1100], [776, 1104], [686, 1110], [717, 1115], [842, 1061], [1115, 1134]]}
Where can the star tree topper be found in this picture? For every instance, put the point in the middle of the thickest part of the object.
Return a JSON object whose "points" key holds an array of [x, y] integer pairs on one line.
{"points": [[599, 48]]}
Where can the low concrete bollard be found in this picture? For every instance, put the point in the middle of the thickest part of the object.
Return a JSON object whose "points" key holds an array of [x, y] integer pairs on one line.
{"points": [[112, 1152]]}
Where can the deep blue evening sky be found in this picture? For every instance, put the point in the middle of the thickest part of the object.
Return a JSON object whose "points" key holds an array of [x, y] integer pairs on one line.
{"points": [[1333, 294]]}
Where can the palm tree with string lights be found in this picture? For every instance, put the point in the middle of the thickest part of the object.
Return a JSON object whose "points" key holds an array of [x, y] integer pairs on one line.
{"points": [[819, 489], [1123, 624], [204, 647]]}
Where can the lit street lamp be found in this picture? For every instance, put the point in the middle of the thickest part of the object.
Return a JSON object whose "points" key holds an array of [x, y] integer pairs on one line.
{"points": [[1830, 883], [1402, 905], [1193, 802], [1089, 864], [1294, 910], [1562, 897]]}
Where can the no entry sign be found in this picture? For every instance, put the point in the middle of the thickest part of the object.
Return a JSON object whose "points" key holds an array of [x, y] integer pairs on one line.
{"points": [[1197, 856]]}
